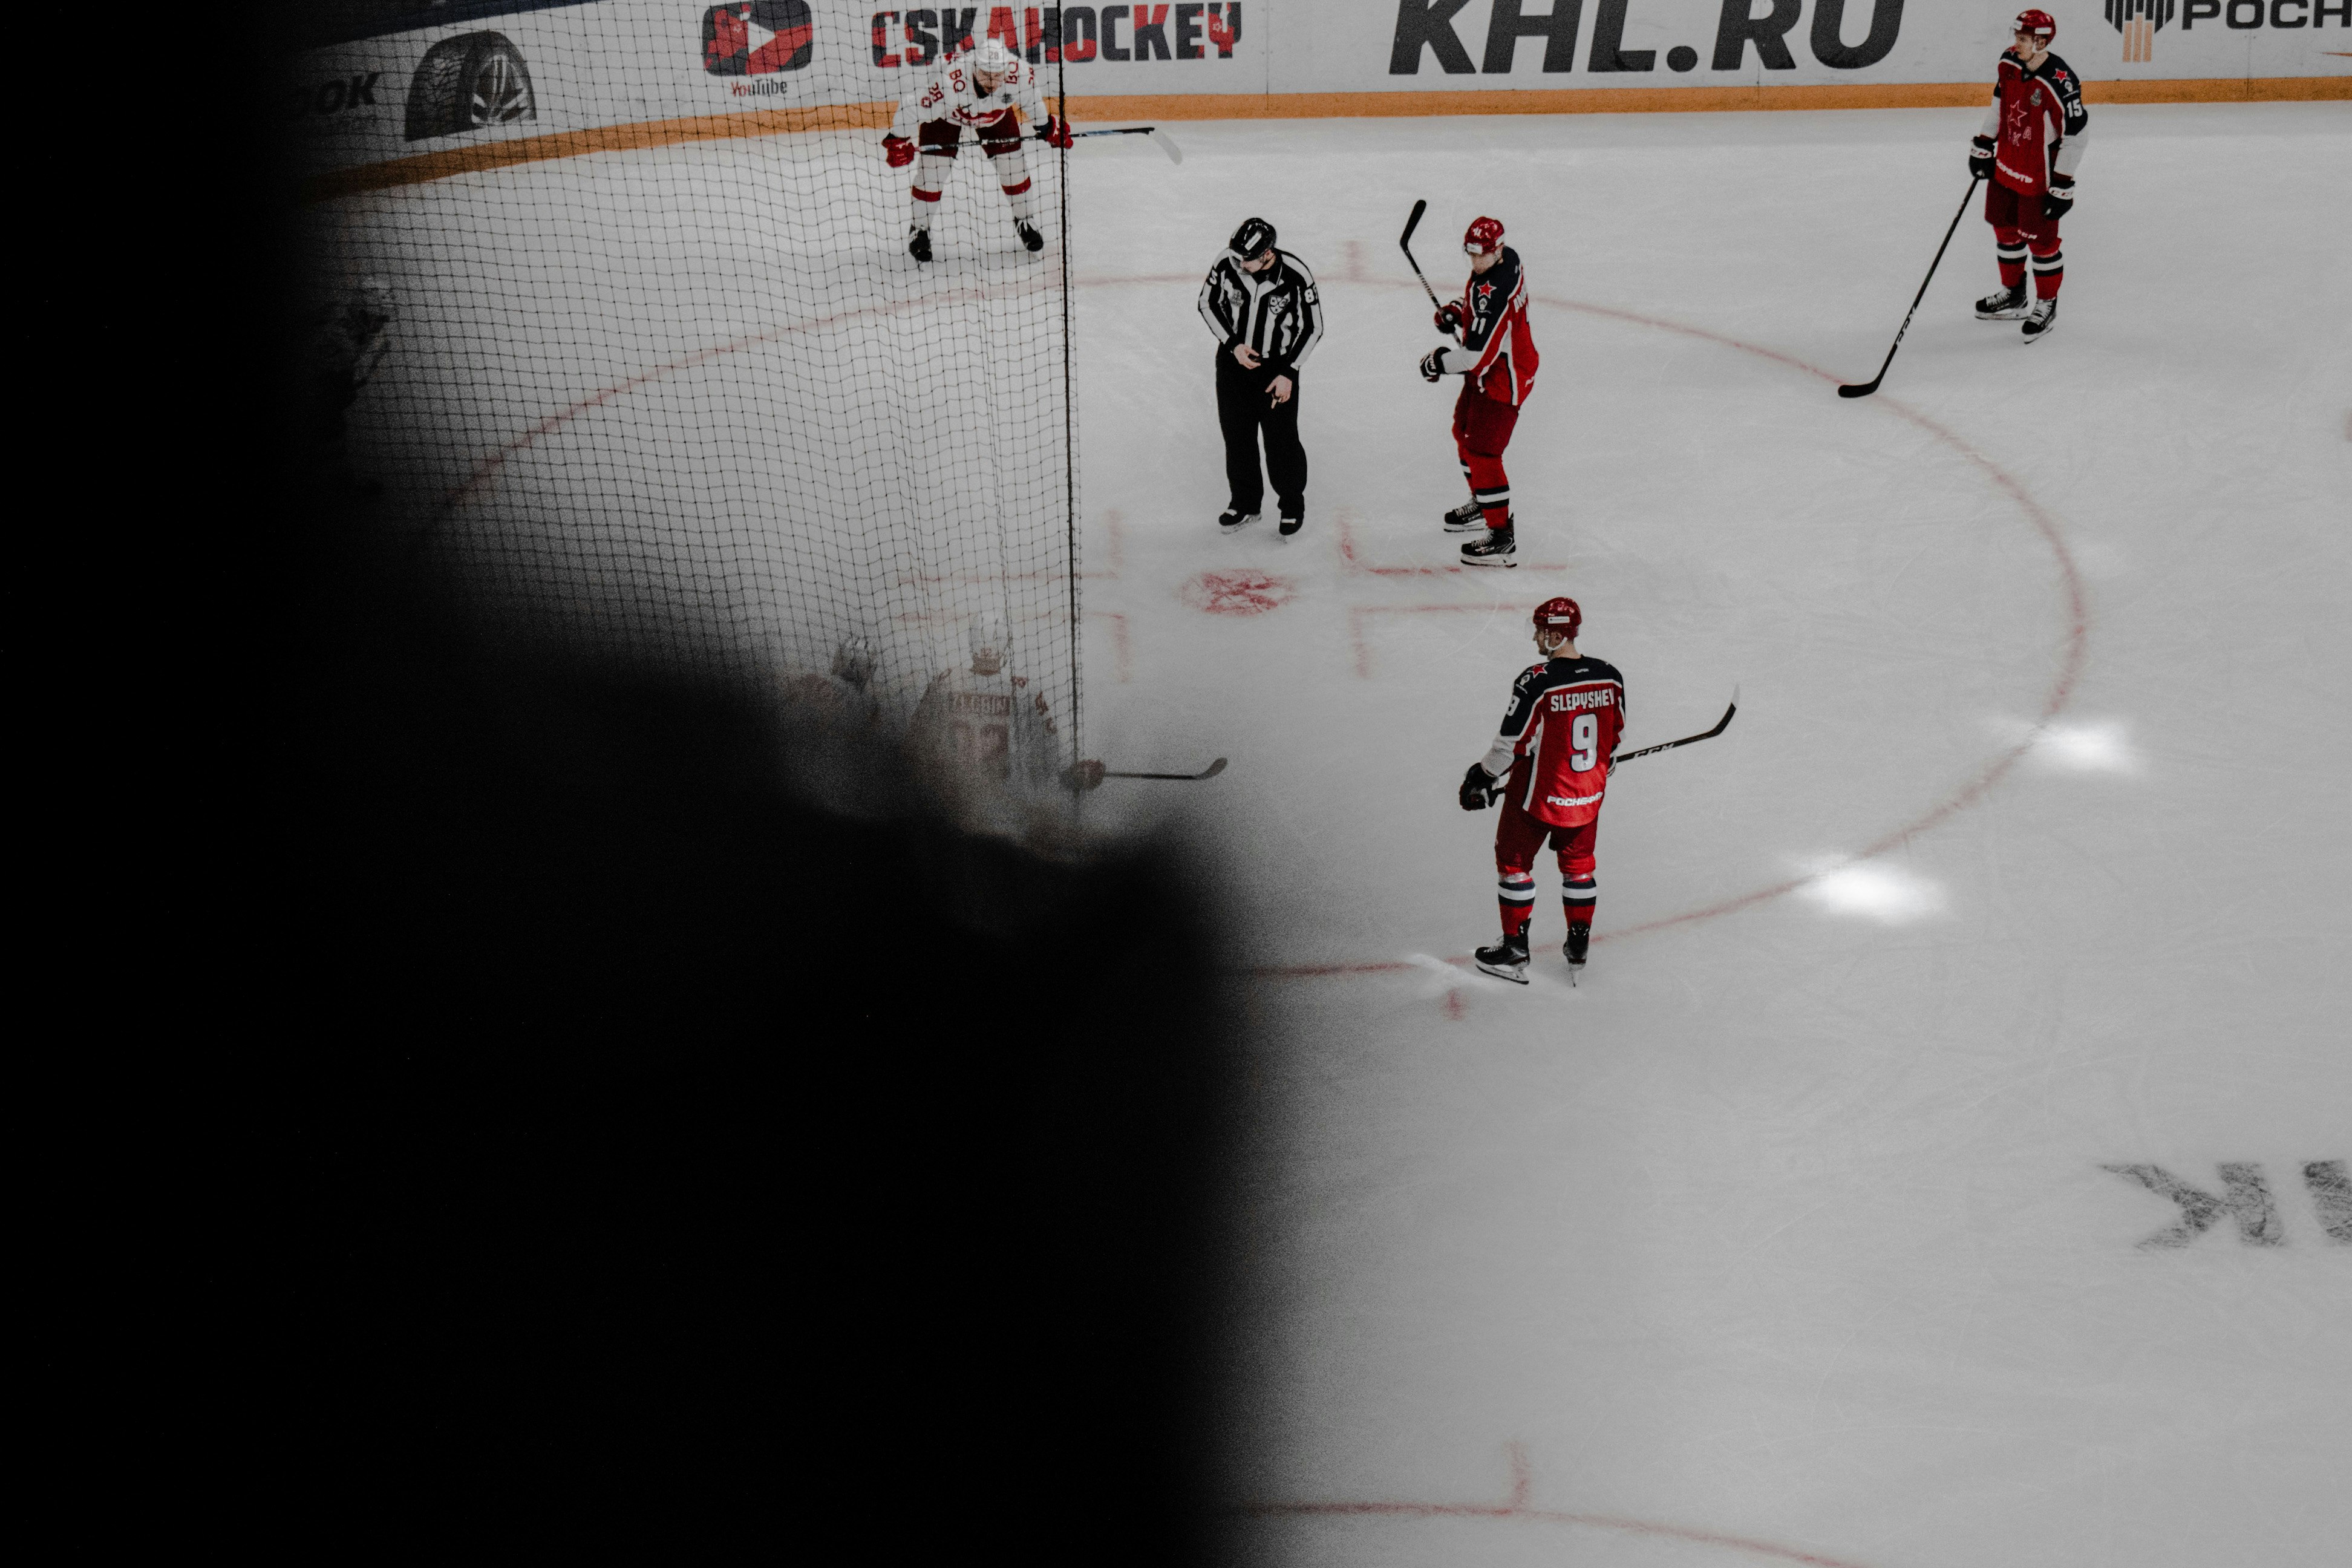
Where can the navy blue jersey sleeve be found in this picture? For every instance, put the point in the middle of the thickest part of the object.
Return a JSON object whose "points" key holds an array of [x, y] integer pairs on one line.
{"points": [[1489, 298]]}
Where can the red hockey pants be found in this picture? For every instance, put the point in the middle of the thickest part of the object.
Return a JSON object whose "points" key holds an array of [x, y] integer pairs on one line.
{"points": [[1482, 429], [2018, 226], [1519, 839]]}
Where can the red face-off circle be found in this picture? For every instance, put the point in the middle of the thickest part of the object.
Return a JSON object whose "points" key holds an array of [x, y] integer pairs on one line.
{"points": [[1237, 593]]}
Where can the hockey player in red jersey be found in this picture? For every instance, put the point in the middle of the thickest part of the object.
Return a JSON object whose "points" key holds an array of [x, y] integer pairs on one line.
{"points": [[2027, 153], [1496, 357], [1550, 765], [976, 91]]}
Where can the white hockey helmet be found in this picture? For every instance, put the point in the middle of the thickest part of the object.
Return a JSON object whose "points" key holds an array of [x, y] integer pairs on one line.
{"points": [[988, 636], [995, 59]]}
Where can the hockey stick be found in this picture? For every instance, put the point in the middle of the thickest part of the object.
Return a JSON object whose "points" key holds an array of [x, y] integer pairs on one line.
{"points": [[1160, 139], [1211, 770], [1404, 243], [1867, 387], [1720, 726]]}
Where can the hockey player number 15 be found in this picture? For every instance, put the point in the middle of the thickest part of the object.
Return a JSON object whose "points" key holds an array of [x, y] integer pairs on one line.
{"points": [[1584, 743]]}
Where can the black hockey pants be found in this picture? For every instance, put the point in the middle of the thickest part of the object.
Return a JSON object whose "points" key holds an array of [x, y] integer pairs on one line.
{"points": [[1244, 408]]}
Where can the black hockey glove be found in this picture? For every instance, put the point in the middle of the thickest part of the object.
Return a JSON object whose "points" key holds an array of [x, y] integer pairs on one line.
{"points": [[1479, 788], [1981, 157], [2059, 199], [1428, 365], [1449, 320]]}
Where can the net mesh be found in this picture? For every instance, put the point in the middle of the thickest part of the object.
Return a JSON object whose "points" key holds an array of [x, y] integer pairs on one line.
{"points": [[659, 375]]}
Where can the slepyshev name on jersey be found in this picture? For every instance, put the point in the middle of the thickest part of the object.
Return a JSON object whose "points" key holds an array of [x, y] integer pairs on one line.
{"points": [[1569, 701]]}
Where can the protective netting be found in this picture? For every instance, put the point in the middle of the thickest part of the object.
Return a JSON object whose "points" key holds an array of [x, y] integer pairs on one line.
{"points": [[660, 377]]}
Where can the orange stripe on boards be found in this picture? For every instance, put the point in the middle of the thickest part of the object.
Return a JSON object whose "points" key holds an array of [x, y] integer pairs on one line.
{"points": [[644, 134], [1308, 106]]}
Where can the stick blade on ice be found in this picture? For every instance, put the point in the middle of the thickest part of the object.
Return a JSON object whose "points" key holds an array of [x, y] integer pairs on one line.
{"points": [[1167, 144]]}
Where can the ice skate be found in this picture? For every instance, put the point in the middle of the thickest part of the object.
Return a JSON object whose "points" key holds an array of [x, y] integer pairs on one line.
{"points": [[1580, 937], [1292, 521], [1029, 235], [1467, 518], [1507, 960], [2044, 317], [918, 244], [1498, 548], [2006, 306], [1234, 518]]}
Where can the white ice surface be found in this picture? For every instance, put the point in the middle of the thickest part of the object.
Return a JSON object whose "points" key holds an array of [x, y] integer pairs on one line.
{"points": [[1788, 1223], [1785, 1237]]}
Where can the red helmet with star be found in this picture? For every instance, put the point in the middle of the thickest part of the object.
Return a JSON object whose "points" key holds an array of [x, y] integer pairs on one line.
{"points": [[2040, 23], [1559, 615], [1483, 236]]}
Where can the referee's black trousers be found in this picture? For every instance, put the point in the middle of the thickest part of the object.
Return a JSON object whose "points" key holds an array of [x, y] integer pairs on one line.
{"points": [[1244, 408]]}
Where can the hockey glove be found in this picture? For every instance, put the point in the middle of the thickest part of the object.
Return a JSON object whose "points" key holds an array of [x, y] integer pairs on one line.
{"points": [[2059, 199], [1056, 132], [1478, 789], [1432, 368], [899, 151], [1980, 158], [1449, 320]]}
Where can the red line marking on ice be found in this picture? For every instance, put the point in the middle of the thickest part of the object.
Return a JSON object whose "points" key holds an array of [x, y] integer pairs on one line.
{"points": [[1522, 1484], [1356, 614], [1118, 619], [1346, 517]]}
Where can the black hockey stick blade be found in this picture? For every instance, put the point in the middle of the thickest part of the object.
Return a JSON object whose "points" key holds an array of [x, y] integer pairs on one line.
{"points": [[1864, 389], [1160, 139], [1211, 770], [1404, 243], [1720, 726]]}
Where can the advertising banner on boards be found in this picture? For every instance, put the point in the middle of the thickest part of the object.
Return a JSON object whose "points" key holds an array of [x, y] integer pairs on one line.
{"points": [[397, 81]]}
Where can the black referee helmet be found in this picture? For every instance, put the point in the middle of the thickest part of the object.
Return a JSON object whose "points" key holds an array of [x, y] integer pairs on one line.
{"points": [[1253, 238]]}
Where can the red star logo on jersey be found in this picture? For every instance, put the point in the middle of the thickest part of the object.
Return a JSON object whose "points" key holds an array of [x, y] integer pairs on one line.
{"points": [[2017, 123], [1485, 289]]}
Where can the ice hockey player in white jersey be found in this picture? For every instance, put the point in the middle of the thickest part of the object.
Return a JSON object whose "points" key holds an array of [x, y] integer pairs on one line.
{"points": [[846, 699], [979, 91], [982, 731]]}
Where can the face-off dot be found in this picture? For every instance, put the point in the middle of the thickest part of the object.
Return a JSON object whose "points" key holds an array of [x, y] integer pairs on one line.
{"points": [[1237, 593]]}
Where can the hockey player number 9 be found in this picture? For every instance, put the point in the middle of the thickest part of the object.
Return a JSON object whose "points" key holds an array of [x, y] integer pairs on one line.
{"points": [[1584, 742]]}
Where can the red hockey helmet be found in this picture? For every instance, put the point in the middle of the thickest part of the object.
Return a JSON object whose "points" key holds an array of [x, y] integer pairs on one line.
{"points": [[2040, 23], [1482, 236], [1559, 615]]}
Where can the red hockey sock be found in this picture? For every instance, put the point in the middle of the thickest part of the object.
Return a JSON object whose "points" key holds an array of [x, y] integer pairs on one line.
{"points": [[2009, 249], [1577, 901], [2048, 271], [1516, 895]]}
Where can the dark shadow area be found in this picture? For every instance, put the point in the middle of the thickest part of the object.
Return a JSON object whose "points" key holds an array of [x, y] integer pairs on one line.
{"points": [[661, 1150]]}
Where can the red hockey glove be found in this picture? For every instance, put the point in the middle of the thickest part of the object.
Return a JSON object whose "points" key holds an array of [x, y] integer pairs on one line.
{"points": [[1056, 132], [1449, 318], [1088, 774], [1430, 369], [901, 151], [1980, 158], [1478, 789], [2059, 200]]}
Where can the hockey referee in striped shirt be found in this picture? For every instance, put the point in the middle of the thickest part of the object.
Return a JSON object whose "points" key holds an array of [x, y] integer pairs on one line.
{"points": [[1262, 305]]}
